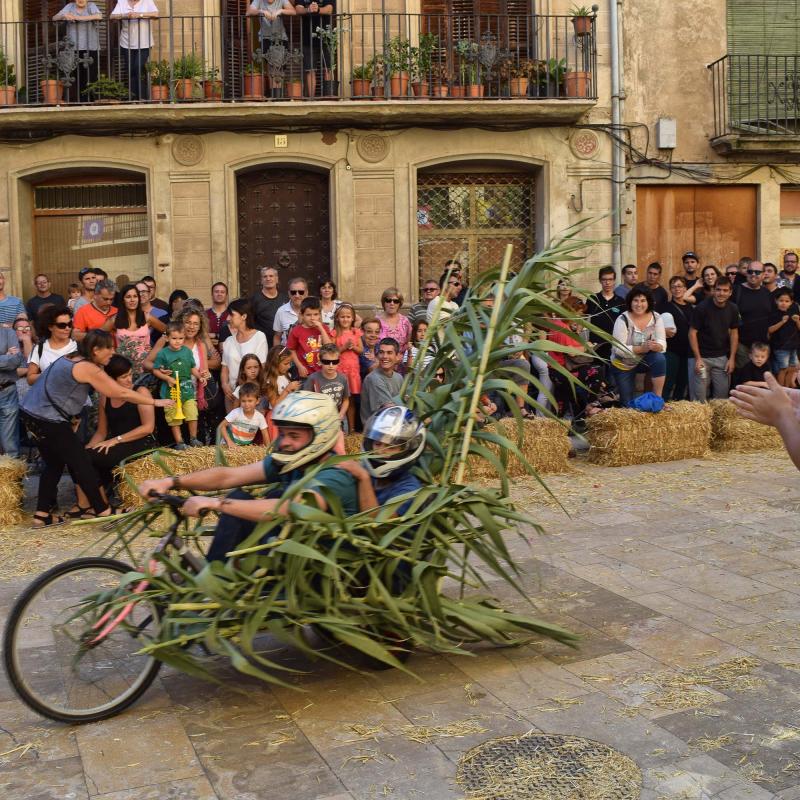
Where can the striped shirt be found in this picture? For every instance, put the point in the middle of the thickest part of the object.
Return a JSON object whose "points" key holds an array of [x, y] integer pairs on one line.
{"points": [[10, 308]]}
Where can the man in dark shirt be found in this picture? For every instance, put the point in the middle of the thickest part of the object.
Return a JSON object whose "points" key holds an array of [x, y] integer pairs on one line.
{"points": [[678, 350], [266, 301], [603, 309], [788, 275], [151, 285], [652, 282], [755, 305], [630, 277], [713, 338], [691, 267], [315, 15], [43, 297]]}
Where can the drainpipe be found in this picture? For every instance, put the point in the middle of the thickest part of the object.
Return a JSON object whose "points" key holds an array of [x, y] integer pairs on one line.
{"points": [[617, 151]]}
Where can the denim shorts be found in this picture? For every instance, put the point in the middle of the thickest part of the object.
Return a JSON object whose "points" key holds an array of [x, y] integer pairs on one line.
{"points": [[785, 358]]}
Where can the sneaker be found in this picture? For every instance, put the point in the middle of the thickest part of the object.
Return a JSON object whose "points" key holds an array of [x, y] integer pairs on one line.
{"points": [[180, 446], [195, 443]]}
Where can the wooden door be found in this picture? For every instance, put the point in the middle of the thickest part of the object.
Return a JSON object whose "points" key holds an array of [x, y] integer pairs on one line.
{"points": [[283, 222], [719, 223]]}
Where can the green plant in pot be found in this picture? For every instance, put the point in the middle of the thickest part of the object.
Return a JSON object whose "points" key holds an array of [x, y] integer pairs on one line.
{"points": [[186, 70], [254, 77], [330, 37], [8, 81], [212, 85], [362, 78], [468, 54], [421, 62], [581, 20], [397, 53], [160, 78], [107, 90], [551, 77], [378, 66]]}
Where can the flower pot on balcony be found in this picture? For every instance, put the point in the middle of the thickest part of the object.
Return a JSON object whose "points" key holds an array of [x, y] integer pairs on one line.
{"points": [[253, 86], [475, 90], [518, 87], [159, 93], [361, 87], [398, 84], [378, 92], [212, 90], [576, 84], [330, 89], [276, 92], [294, 90], [52, 91], [440, 90], [582, 25], [8, 95], [457, 91], [420, 88], [184, 88]]}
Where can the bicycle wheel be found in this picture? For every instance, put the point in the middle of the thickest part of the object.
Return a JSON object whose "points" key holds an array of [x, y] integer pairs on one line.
{"points": [[50, 660]]}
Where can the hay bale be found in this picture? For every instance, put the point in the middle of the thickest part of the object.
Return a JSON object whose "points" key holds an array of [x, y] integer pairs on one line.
{"points": [[731, 433], [622, 436], [179, 463], [12, 492], [545, 444]]}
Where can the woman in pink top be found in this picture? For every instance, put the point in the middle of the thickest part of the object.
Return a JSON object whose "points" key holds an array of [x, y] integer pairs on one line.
{"points": [[132, 329], [393, 323]]}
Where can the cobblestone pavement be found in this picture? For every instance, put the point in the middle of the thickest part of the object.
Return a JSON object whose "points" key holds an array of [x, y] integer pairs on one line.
{"points": [[682, 578]]}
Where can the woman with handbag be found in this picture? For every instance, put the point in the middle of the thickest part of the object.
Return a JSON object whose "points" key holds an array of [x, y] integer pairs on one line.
{"points": [[50, 410]]}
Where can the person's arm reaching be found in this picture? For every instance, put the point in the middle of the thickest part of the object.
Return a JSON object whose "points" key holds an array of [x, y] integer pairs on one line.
{"points": [[207, 480], [367, 500]]}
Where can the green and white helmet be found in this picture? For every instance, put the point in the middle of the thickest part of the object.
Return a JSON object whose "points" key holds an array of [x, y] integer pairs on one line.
{"points": [[307, 410]]}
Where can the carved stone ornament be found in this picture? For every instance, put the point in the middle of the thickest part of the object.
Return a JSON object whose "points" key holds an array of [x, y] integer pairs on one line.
{"points": [[188, 150], [585, 144], [372, 148]]}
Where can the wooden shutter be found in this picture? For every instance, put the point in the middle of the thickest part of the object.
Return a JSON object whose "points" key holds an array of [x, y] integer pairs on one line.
{"points": [[40, 40], [236, 43]]}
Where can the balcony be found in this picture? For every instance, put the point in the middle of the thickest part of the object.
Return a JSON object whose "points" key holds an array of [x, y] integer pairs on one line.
{"points": [[232, 73], [756, 105]]}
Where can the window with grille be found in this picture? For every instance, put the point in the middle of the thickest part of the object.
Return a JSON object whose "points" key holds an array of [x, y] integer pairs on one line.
{"points": [[471, 217], [96, 223]]}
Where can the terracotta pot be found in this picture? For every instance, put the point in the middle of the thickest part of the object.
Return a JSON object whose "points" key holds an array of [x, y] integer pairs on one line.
{"points": [[378, 92], [582, 25], [253, 86], [576, 84], [294, 90], [159, 94], [420, 89], [398, 84], [8, 95], [457, 91], [518, 87], [475, 90], [361, 87], [52, 91], [184, 88], [212, 90], [441, 90]]}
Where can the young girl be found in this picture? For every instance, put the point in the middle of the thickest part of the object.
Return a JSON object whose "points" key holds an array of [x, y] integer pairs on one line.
{"points": [[250, 371], [348, 340], [276, 382], [418, 332]]}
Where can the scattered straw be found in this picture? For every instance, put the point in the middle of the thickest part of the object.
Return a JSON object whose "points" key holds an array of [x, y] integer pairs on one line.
{"points": [[561, 703], [622, 436], [733, 434], [707, 743], [427, 733], [12, 491]]}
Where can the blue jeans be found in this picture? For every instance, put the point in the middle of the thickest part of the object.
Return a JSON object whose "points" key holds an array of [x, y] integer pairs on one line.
{"points": [[654, 363], [232, 531], [136, 60], [9, 421]]}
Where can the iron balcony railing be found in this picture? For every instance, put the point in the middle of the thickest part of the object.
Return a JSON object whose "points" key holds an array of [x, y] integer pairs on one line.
{"points": [[758, 94], [348, 57]]}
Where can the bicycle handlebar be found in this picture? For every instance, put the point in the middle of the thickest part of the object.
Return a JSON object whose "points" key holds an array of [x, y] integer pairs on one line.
{"points": [[172, 500]]}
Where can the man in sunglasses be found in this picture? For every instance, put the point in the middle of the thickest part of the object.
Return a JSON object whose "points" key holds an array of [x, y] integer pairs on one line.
{"points": [[419, 311], [455, 271], [788, 276], [289, 313], [755, 306]]}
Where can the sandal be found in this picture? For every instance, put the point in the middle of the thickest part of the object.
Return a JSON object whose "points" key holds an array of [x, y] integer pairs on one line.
{"points": [[78, 513], [45, 520], [89, 513]]}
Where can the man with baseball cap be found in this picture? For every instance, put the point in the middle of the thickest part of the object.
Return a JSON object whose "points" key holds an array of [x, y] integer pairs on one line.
{"points": [[691, 265]]}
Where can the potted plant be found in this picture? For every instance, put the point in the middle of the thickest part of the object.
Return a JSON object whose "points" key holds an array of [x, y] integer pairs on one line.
{"points": [[378, 77], [159, 73], [107, 90], [440, 80], [253, 81], [520, 73], [492, 63], [421, 61], [329, 43], [58, 68], [398, 63], [581, 20], [551, 77], [52, 87], [294, 86], [8, 82], [362, 78], [577, 82], [212, 85], [186, 70]]}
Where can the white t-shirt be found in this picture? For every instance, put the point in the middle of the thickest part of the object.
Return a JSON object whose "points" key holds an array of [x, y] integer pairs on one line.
{"points": [[243, 429], [135, 34], [285, 317], [50, 354], [233, 351]]}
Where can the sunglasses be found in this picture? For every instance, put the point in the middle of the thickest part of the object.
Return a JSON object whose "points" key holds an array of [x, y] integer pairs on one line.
{"points": [[24, 328], [430, 288], [329, 361], [391, 300], [732, 273], [454, 283], [297, 291], [62, 326], [755, 272]]}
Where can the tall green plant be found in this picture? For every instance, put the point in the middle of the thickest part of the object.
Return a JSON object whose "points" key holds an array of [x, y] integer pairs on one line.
{"points": [[421, 56], [397, 53], [8, 76]]}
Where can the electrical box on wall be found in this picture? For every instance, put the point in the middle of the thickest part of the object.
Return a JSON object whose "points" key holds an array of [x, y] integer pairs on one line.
{"points": [[666, 133]]}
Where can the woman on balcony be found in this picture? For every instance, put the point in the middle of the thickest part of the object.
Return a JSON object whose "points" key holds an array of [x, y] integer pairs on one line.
{"points": [[135, 41], [272, 30], [83, 32]]}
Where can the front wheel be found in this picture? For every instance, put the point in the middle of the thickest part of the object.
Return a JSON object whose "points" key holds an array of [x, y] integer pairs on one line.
{"points": [[52, 658]]}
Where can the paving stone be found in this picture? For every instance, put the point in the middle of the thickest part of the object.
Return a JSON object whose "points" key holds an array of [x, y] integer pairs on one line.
{"points": [[744, 613], [51, 780], [696, 618], [741, 560], [719, 583], [20, 727], [188, 789]]}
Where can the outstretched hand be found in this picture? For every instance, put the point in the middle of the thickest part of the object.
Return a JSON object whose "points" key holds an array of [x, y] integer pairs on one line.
{"points": [[768, 403]]}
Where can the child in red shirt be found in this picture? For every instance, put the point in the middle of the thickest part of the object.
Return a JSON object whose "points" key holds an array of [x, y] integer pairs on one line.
{"points": [[306, 338]]}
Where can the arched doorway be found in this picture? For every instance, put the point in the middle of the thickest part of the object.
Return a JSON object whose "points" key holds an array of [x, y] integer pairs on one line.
{"points": [[283, 220]]}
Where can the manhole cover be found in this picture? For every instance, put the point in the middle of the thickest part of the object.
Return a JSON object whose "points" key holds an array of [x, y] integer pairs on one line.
{"points": [[540, 766]]}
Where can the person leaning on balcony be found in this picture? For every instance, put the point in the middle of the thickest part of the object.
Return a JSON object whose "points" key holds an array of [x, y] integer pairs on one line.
{"points": [[83, 32], [311, 12], [135, 41], [272, 30]]}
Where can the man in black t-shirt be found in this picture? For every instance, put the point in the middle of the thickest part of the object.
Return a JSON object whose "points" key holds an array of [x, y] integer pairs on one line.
{"points": [[43, 297], [713, 338], [691, 267], [678, 351], [266, 302], [788, 275], [652, 283], [315, 15], [603, 309], [755, 305]]}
